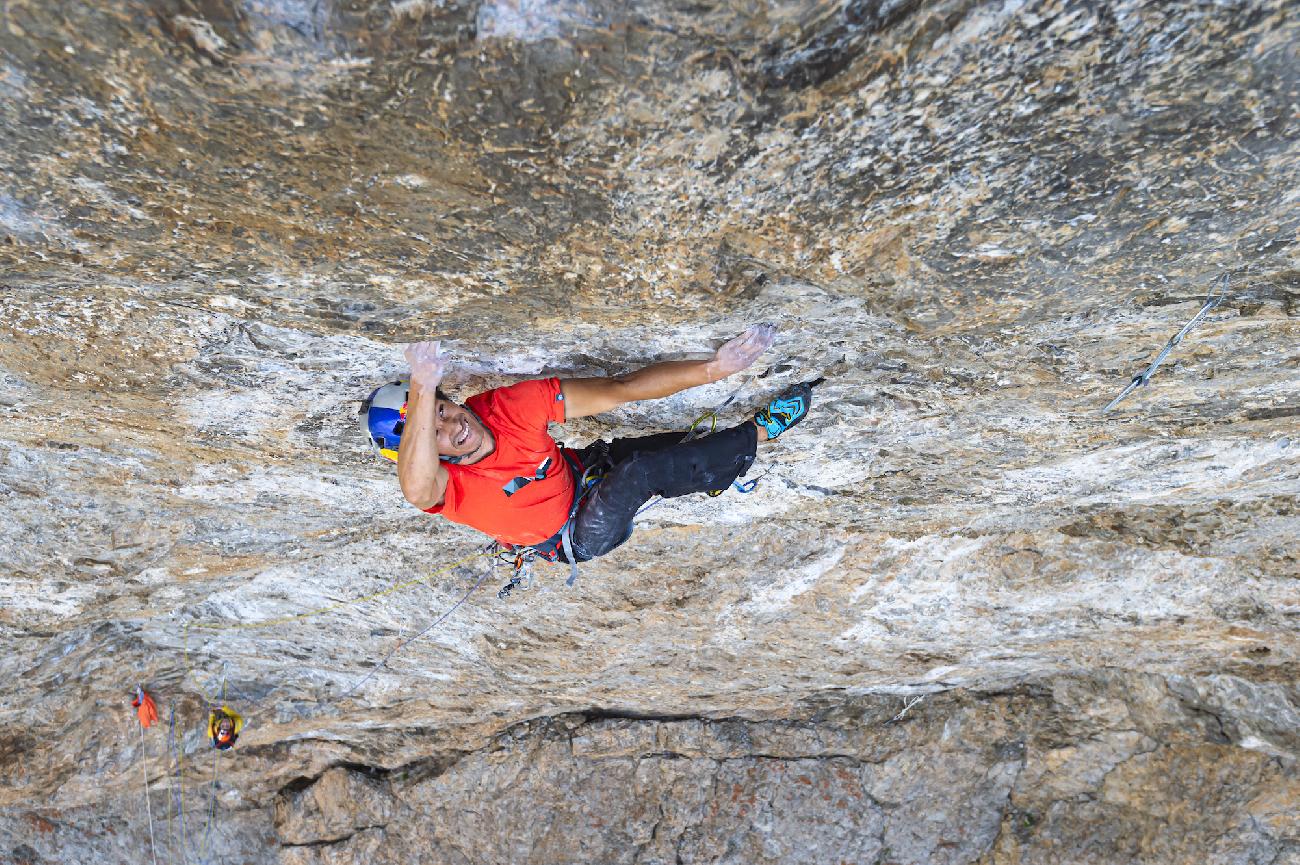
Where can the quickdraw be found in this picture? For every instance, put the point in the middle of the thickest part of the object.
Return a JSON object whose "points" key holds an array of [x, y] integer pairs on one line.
{"points": [[1139, 380], [521, 560], [745, 487]]}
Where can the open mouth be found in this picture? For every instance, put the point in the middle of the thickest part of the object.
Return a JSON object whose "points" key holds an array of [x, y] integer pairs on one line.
{"points": [[464, 433]]}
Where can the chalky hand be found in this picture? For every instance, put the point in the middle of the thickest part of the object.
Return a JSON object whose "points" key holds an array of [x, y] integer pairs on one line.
{"points": [[428, 364], [739, 353]]}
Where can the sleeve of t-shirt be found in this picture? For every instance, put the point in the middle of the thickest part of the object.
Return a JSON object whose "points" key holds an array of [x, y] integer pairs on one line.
{"points": [[532, 404], [451, 490]]}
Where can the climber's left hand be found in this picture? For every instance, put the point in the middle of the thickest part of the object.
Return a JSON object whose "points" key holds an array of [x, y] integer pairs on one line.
{"points": [[741, 352]]}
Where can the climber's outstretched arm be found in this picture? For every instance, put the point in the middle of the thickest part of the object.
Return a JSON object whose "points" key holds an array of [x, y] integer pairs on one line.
{"points": [[588, 396], [422, 476]]}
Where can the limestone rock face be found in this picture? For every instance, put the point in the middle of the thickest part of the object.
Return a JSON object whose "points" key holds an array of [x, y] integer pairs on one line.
{"points": [[331, 808], [221, 219], [1111, 767]]}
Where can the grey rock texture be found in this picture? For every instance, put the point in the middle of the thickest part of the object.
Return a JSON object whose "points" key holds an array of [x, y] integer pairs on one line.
{"points": [[1110, 767], [332, 808], [220, 219]]}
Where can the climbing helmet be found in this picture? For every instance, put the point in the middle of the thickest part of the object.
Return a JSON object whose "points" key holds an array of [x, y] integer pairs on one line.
{"points": [[383, 416]]}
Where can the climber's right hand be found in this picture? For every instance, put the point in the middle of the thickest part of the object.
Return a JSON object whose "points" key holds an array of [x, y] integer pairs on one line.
{"points": [[428, 364]]}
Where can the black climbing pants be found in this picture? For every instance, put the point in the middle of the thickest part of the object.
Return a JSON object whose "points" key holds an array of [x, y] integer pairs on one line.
{"points": [[657, 465]]}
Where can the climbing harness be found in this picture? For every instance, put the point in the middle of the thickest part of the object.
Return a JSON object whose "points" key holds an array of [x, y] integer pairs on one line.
{"points": [[584, 480], [1139, 380]]}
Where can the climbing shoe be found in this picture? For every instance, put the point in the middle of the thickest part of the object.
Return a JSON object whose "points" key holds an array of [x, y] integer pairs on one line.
{"points": [[786, 410]]}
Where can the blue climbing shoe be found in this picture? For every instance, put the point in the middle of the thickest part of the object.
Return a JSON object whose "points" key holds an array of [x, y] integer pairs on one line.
{"points": [[786, 410]]}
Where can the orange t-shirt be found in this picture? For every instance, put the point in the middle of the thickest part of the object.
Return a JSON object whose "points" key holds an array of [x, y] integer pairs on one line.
{"points": [[476, 495]]}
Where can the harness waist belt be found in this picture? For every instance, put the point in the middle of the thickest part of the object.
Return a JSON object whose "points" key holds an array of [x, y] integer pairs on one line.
{"points": [[562, 540]]}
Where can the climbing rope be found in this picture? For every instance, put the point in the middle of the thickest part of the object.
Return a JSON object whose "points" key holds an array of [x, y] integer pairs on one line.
{"points": [[212, 786], [212, 805], [1139, 380], [427, 629], [178, 795], [148, 805], [329, 608], [297, 617]]}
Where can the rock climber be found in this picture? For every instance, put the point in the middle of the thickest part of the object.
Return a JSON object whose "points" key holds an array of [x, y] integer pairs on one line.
{"points": [[224, 725], [490, 463]]}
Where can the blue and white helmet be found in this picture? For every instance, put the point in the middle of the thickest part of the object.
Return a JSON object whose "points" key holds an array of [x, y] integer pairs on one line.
{"points": [[383, 417]]}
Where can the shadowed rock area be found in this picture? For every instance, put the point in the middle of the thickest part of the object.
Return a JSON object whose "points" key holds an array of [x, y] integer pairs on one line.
{"points": [[966, 616]]}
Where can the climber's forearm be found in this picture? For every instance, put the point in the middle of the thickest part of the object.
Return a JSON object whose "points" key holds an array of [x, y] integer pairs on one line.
{"points": [[588, 396], [422, 476]]}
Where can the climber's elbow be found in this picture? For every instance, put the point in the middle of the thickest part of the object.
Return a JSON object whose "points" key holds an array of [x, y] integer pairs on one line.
{"points": [[423, 489]]}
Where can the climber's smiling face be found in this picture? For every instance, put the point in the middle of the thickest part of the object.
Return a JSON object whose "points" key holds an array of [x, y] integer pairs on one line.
{"points": [[461, 435]]}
